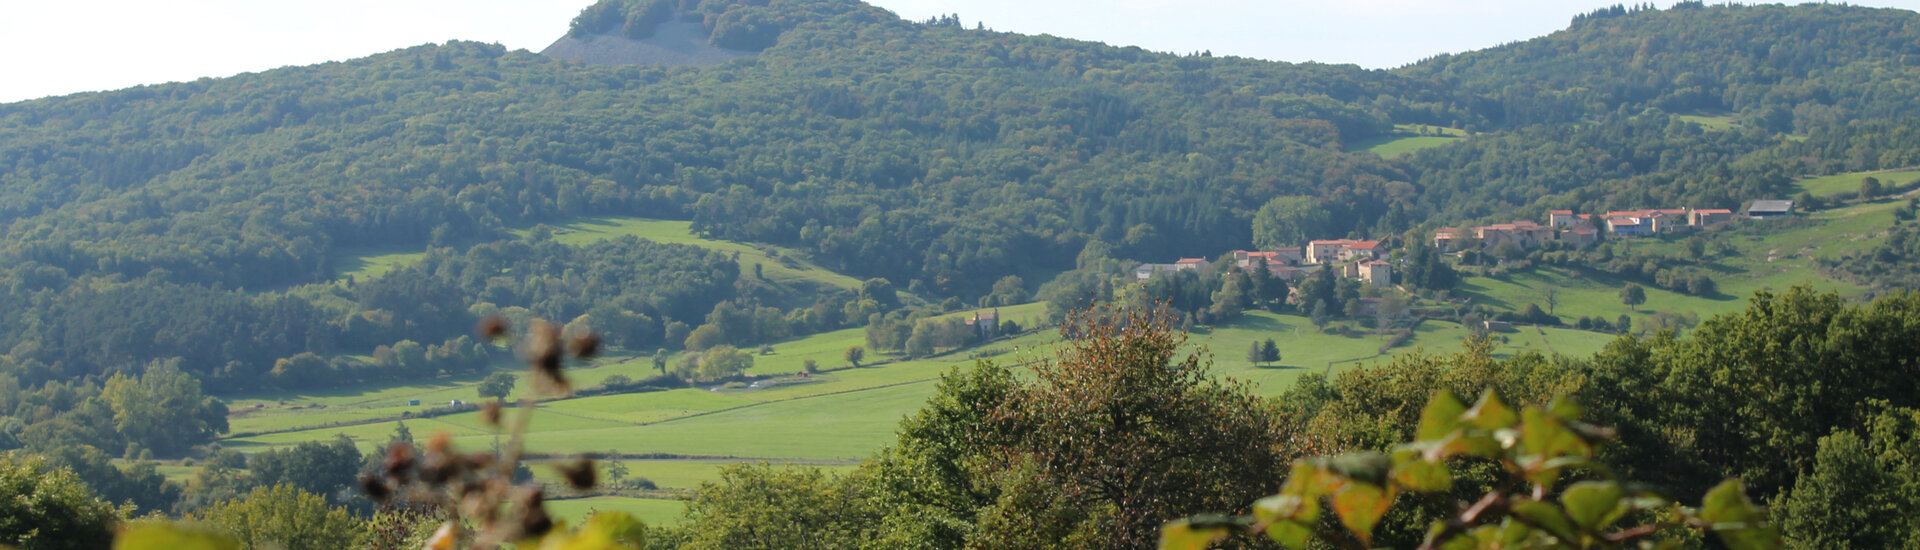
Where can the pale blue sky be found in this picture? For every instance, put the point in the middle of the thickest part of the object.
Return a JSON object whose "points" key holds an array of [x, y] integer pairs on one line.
{"points": [[60, 47]]}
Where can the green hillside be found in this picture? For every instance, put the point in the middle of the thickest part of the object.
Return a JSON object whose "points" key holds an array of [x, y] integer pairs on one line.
{"points": [[239, 271]]}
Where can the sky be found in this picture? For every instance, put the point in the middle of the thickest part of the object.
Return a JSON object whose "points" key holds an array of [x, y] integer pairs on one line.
{"points": [[57, 47]]}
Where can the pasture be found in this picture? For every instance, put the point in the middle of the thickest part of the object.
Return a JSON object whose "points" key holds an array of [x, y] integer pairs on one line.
{"points": [[1826, 186], [778, 265]]}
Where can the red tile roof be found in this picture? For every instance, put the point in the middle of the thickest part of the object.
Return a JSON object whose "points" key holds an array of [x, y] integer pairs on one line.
{"points": [[1191, 261], [1561, 212]]}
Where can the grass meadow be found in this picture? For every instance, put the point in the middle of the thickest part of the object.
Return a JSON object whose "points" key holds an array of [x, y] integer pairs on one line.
{"points": [[795, 270], [1407, 138], [1825, 186]]}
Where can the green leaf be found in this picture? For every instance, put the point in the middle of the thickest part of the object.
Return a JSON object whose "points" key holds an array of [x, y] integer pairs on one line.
{"points": [[172, 536], [1360, 506], [1470, 444], [1542, 434], [1290, 534], [1186, 535], [1413, 472], [1287, 507], [1289, 518], [1566, 409], [1371, 468], [1591, 503], [1740, 524], [1441, 417], [1490, 413], [1546, 517], [1304, 482]]}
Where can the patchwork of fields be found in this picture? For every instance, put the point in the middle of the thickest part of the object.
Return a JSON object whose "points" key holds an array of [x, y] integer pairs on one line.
{"points": [[833, 418], [680, 438]]}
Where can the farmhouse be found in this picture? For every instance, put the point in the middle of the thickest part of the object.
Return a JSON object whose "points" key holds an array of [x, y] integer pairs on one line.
{"points": [[1566, 218], [1524, 232], [1446, 237], [1198, 264], [1628, 226], [1763, 210], [986, 323], [1147, 271], [1581, 236], [1377, 273], [1706, 217], [1326, 251]]}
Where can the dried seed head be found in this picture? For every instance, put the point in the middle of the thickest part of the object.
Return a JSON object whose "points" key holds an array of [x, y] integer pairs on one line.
{"points": [[440, 468], [544, 354], [440, 443], [579, 473], [490, 413], [479, 461], [375, 488], [585, 346], [400, 459], [492, 329], [534, 521]]}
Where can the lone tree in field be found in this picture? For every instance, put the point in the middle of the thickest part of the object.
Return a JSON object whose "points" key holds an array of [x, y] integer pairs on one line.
{"points": [[1254, 355], [1870, 188], [854, 354], [1633, 295], [497, 385], [1269, 352]]}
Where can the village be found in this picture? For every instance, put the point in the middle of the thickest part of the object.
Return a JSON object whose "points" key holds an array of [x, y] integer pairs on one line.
{"points": [[1366, 260]]}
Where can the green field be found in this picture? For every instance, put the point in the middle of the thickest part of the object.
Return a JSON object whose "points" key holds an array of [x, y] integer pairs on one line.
{"points": [[1712, 122], [586, 230], [1407, 138], [1825, 186], [846, 414], [363, 263]]}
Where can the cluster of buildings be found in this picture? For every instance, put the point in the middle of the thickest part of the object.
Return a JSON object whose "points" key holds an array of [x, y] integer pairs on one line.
{"points": [[1579, 229], [1362, 260], [1355, 259]]}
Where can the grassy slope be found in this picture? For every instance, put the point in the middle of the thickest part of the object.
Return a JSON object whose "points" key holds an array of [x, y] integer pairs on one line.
{"points": [[1406, 139], [363, 263], [1850, 182], [1770, 257], [586, 230], [1712, 122], [846, 414]]}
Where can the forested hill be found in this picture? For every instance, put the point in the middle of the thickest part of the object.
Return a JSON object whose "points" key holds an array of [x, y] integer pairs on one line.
{"points": [[938, 157], [1786, 69]]}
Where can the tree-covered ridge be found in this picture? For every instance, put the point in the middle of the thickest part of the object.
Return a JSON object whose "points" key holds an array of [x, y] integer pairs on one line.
{"points": [[918, 122], [1786, 69], [753, 25], [939, 158]]}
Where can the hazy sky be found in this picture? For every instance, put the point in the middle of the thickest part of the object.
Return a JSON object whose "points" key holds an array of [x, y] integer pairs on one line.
{"points": [[55, 47]]}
